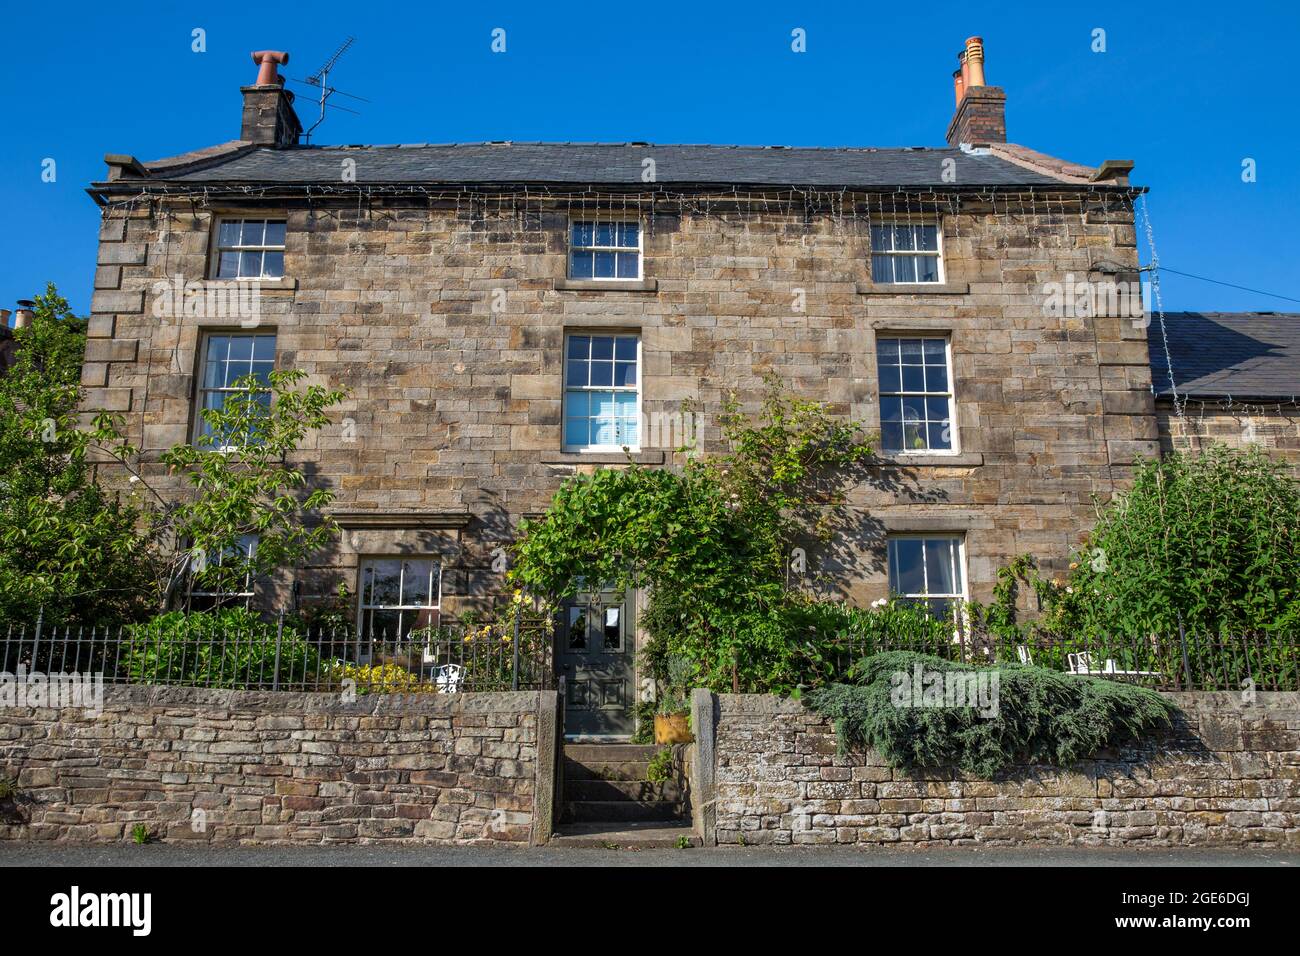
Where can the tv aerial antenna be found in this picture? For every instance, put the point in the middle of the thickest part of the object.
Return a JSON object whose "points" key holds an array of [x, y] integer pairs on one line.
{"points": [[321, 81]]}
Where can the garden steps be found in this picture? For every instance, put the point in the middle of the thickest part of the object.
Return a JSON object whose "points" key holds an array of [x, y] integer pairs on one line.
{"points": [[649, 835], [606, 789], [606, 784]]}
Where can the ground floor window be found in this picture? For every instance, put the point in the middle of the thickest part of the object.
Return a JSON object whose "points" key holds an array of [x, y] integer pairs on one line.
{"points": [[928, 569], [398, 595], [204, 596]]}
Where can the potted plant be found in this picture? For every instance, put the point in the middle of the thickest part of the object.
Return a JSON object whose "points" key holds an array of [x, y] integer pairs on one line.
{"points": [[672, 712]]}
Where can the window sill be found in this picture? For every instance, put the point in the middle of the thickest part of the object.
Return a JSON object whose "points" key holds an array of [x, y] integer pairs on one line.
{"points": [[899, 460], [650, 457], [402, 520], [607, 285], [913, 288], [285, 284]]}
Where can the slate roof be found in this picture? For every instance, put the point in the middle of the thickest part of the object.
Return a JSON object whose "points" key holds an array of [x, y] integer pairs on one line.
{"points": [[1217, 354], [611, 164]]}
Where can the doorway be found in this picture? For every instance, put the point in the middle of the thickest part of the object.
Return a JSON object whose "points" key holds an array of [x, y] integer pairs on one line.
{"points": [[596, 657]]}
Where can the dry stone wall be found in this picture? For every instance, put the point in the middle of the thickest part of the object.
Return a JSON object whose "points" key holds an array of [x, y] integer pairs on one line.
{"points": [[1229, 775], [224, 767]]}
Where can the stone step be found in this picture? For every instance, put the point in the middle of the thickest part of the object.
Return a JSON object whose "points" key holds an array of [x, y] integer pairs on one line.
{"points": [[608, 790], [626, 770], [617, 811], [625, 836], [609, 753]]}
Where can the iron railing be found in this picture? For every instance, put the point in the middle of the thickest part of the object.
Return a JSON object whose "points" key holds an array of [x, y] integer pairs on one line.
{"points": [[1185, 660], [445, 659]]}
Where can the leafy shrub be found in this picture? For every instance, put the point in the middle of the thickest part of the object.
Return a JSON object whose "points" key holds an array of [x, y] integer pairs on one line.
{"points": [[1043, 717], [230, 648], [385, 678], [1210, 541], [660, 767], [710, 541], [833, 636], [675, 690]]}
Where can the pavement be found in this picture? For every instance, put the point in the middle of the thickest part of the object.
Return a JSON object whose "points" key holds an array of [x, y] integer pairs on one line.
{"points": [[187, 855]]}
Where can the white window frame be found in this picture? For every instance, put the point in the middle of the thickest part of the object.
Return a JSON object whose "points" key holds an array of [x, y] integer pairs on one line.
{"points": [[960, 596], [247, 543], [914, 221], [951, 395], [608, 218], [588, 389], [218, 248], [435, 591], [201, 390]]}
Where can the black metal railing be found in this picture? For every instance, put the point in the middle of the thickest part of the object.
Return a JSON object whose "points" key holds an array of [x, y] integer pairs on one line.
{"points": [[1184, 660], [449, 658]]}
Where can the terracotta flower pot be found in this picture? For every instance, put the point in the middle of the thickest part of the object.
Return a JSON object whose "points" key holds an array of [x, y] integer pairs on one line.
{"points": [[673, 729]]}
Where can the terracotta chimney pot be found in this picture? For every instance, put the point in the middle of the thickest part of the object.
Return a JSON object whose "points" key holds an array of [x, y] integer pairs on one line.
{"points": [[974, 61], [23, 315], [268, 62]]}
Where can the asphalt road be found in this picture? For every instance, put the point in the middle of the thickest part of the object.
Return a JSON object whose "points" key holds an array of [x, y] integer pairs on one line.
{"points": [[160, 855]]}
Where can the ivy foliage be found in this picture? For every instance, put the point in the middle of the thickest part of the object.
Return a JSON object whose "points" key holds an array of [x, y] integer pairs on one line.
{"points": [[709, 541], [1042, 716]]}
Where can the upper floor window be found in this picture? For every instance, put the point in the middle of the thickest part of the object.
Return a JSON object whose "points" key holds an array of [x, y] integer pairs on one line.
{"points": [[915, 395], [398, 595], [604, 250], [906, 253], [250, 249], [601, 394], [929, 570], [226, 359]]}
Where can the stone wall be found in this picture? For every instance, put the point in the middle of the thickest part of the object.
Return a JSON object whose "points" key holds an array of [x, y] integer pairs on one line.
{"points": [[228, 767], [1274, 428], [447, 323], [1229, 774]]}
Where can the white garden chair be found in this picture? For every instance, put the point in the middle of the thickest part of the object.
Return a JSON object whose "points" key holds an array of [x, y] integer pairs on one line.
{"points": [[1081, 663]]}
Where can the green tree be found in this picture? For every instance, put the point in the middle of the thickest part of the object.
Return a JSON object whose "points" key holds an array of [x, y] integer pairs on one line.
{"points": [[66, 544], [242, 483]]}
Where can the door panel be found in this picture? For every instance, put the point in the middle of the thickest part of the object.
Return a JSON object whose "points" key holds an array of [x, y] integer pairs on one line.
{"points": [[597, 644]]}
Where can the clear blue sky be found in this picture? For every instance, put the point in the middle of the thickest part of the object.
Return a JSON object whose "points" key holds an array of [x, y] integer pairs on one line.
{"points": [[1186, 89]]}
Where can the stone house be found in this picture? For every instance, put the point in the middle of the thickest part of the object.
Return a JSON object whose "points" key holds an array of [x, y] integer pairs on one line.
{"points": [[505, 314]]}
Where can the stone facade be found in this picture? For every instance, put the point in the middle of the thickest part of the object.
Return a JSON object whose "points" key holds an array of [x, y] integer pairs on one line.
{"points": [[227, 767], [447, 321], [1272, 427], [1229, 774]]}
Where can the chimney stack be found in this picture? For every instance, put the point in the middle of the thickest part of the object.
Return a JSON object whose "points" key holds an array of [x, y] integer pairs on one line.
{"points": [[981, 110], [269, 118], [24, 314]]}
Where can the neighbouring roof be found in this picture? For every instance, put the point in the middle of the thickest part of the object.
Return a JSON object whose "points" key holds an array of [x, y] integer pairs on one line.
{"points": [[1220, 354], [621, 164]]}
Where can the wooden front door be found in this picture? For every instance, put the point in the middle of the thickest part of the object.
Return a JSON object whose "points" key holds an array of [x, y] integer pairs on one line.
{"points": [[597, 648]]}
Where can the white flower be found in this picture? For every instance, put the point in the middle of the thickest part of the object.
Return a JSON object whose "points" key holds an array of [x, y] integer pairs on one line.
{"points": [[879, 602], [134, 479]]}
